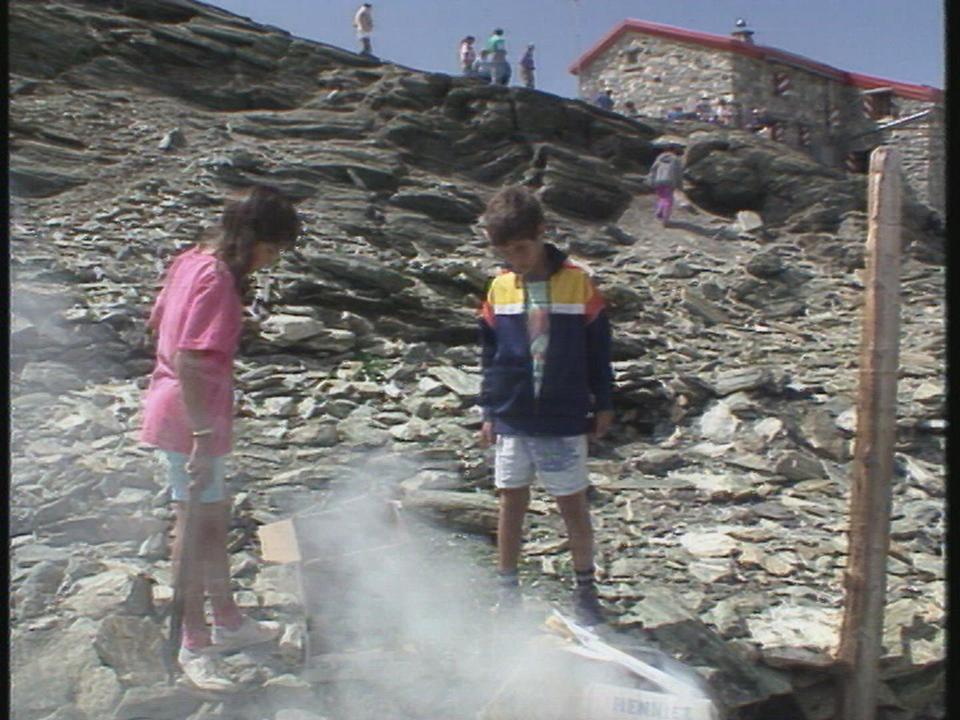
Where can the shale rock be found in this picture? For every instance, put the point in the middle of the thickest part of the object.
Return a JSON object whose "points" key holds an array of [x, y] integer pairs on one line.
{"points": [[720, 496]]}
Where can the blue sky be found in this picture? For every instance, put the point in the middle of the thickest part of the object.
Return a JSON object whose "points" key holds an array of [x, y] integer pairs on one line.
{"points": [[894, 39]]}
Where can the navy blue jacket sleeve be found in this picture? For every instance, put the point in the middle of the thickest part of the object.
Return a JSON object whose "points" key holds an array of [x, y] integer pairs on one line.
{"points": [[600, 372]]}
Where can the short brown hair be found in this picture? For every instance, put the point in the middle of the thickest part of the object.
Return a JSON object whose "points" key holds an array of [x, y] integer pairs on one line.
{"points": [[513, 213]]}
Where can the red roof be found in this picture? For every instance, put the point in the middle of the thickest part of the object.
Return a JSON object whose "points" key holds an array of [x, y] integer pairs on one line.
{"points": [[729, 43]]}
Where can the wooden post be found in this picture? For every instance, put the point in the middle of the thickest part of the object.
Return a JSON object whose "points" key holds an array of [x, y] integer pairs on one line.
{"points": [[870, 496]]}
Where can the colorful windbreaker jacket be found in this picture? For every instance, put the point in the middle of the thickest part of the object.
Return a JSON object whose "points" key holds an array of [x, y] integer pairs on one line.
{"points": [[577, 377]]}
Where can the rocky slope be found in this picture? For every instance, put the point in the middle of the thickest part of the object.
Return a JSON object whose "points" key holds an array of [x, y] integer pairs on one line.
{"points": [[720, 498]]}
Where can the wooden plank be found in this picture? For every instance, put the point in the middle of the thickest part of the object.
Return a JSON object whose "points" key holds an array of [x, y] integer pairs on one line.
{"points": [[872, 469]]}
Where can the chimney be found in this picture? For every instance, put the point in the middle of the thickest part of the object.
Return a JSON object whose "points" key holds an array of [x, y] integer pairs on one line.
{"points": [[742, 33]]}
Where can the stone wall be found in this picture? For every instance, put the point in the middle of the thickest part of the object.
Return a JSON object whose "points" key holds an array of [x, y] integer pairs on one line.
{"points": [[658, 73], [921, 144], [937, 162], [922, 151], [806, 105]]}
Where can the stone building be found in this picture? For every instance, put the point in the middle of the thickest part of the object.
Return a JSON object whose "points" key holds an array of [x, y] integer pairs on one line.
{"points": [[836, 116]]}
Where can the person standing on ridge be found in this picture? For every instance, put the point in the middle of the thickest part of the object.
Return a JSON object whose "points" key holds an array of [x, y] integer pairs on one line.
{"points": [[527, 67], [497, 47], [468, 55], [604, 100], [546, 387], [675, 113], [724, 113], [482, 68], [666, 176], [188, 416], [363, 23]]}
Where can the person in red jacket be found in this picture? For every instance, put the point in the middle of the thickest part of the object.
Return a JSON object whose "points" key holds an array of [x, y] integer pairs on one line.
{"points": [[546, 387]]}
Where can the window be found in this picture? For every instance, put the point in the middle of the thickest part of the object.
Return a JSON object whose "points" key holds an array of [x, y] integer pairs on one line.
{"points": [[633, 57], [878, 103]]}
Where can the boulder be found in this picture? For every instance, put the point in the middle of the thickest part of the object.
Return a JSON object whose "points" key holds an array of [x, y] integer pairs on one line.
{"points": [[158, 702], [472, 512], [133, 647], [48, 668], [727, 173]]}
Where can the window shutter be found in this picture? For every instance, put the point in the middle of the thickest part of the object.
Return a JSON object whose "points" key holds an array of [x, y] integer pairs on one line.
{"points": [[835, 118], [781, 83]]}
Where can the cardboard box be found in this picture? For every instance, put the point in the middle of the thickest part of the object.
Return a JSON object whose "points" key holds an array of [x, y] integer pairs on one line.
{"points": [[361, 524], [608, 702]]}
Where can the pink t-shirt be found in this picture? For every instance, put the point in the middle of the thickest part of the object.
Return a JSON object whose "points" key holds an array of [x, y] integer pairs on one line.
{"points": [[198, 309]]}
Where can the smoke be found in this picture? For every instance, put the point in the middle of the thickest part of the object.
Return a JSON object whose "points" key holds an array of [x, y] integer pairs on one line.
{"points": [[399, 619], [401, 622]]}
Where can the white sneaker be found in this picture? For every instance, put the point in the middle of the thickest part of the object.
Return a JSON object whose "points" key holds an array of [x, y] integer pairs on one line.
{"points": [[201, 671], [250, 632]]}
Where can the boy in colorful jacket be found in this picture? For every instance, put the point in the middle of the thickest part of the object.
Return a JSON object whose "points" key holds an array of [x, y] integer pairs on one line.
{"points": [[546, 386]]}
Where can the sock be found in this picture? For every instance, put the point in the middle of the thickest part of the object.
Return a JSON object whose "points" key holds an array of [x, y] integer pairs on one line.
{"points": [[508, 578], [584, 578], [194, 638], [228, 616]]}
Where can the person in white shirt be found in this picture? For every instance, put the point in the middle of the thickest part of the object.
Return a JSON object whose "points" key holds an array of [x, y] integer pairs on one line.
{"points": [[363, 23], [468, 55]]}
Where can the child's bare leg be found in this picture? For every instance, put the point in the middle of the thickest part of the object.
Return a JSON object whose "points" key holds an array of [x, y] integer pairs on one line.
{"points": [[194, 623], [576, 516], [513, 507], [216, 564]]}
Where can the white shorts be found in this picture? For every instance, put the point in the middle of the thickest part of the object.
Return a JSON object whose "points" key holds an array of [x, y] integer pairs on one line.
{"points": [[179, 478], [559, 462]]}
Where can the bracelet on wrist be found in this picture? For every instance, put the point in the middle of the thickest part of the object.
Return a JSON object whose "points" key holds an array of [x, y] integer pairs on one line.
{"points": [[202, 433]]}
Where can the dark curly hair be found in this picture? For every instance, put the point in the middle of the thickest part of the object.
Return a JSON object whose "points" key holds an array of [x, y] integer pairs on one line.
{"points": [[262, 214]]}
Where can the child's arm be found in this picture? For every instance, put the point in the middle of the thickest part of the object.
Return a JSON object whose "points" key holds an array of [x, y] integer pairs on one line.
{"points": [[156, 315], [488, 348]]}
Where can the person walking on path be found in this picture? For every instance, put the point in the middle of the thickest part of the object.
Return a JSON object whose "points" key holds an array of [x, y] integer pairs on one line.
{"points": [[604, 100], [188, 415], [546, 386], [363, 24], [468, 55], [527, 67], [666, 176], [497, 47]]}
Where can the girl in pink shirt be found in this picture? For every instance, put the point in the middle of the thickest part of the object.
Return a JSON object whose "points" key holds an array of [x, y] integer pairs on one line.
{"points": [[188, 410]]}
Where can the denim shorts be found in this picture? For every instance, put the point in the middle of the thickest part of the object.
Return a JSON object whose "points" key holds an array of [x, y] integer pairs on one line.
{"points": [[179, 479], [559, 462]]}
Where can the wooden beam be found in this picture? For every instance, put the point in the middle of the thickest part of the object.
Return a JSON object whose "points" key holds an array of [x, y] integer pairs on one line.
{"points": [[870, 496]]}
